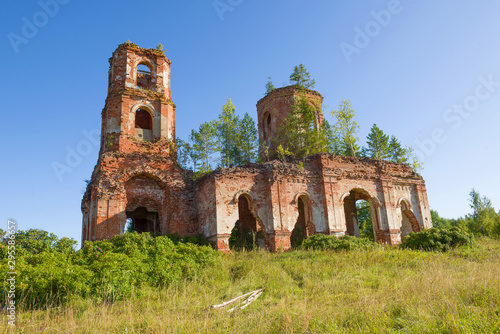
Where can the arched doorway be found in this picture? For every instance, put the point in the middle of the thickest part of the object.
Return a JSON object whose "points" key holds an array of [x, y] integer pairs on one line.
{"points": [[304, 226], [248, 232], [409, 222], [361, 217], [364, 219], [141, 221]]}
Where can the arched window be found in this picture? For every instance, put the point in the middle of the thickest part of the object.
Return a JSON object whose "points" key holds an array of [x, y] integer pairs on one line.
{"points": [[143, 125], [409, 222], [144, 77], [267, 125]]}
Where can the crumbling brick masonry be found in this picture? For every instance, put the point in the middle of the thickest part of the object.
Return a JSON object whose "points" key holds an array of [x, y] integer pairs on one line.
{"points": [[137, 179]]}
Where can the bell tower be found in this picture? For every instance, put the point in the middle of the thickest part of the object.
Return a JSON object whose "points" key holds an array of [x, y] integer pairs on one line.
{"points": [[139, 112], [137, 180]]}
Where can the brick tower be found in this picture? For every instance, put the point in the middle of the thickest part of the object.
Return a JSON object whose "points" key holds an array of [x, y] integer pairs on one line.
{"points": [[274, 108], [136, 175], [139, 105]]}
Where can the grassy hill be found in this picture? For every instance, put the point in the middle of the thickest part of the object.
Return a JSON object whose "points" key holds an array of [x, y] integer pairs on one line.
{"points": [[386, 290]]}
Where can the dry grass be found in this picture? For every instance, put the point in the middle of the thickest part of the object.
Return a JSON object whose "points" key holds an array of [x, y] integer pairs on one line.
{"points": [[379, 291]]}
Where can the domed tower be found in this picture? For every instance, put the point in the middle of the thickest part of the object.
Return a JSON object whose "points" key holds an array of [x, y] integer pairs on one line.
{"points": [[274, 108], [137, 183]]}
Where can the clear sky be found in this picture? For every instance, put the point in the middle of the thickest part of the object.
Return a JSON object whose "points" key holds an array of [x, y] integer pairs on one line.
{"points": [[426, 72]]}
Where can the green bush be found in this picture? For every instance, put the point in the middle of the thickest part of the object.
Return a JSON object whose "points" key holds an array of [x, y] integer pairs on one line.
{"points": [[330, 242], [437, 239], [50, 271]]}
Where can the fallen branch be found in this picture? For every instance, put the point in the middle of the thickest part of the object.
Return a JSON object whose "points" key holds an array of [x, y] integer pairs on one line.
{"points": [[252, 296], [249, 300]]}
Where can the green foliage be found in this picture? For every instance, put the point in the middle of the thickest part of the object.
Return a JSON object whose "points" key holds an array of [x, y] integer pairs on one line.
{"points": [[378, 144], [383, 147], [184, 150], [333, 140], [483, 221], [269, 86], [437, 239], [227, 142], [440, 222], [364, 213], [227, 127], [344, 243], [246, 141], [241, 239], [36, 241], [385, 290], [297, 237], [198, 239], [398, 153], [49, 270], [283, 152], [205, 144], [301, 77], [300, 134], [346, 129]]}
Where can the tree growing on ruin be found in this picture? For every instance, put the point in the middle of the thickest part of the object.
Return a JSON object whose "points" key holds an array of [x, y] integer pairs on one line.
{"points": [[269, 86], [247, 140], [228, 141], [184, 150], [227, 131], [399, 154], [300, 134], [205, 144], [301, 77], [378, 144], [346, 128]]}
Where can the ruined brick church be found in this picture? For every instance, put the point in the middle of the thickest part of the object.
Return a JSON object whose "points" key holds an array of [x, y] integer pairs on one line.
{"points": [[138, 180]]}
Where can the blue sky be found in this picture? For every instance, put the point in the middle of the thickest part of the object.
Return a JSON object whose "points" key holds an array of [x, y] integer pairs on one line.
{"points": [[426, 72]]}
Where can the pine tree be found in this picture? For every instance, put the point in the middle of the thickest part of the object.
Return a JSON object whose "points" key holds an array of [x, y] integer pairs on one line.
{"points": [[269, 86], [398, 153], [378, 144], [183, 153], [300, 134], [333, 141], [346, 128], [204, 144], [247, 140], [301, 78], [227, 131]]}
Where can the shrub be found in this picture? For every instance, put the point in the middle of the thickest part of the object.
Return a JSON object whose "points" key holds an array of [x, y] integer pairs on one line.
{"points": [[437, 239], [50, 271], [330, 242], [241, 239]]}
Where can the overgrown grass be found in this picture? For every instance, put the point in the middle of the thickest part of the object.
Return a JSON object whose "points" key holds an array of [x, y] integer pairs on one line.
{"points": [[384, 290]]}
